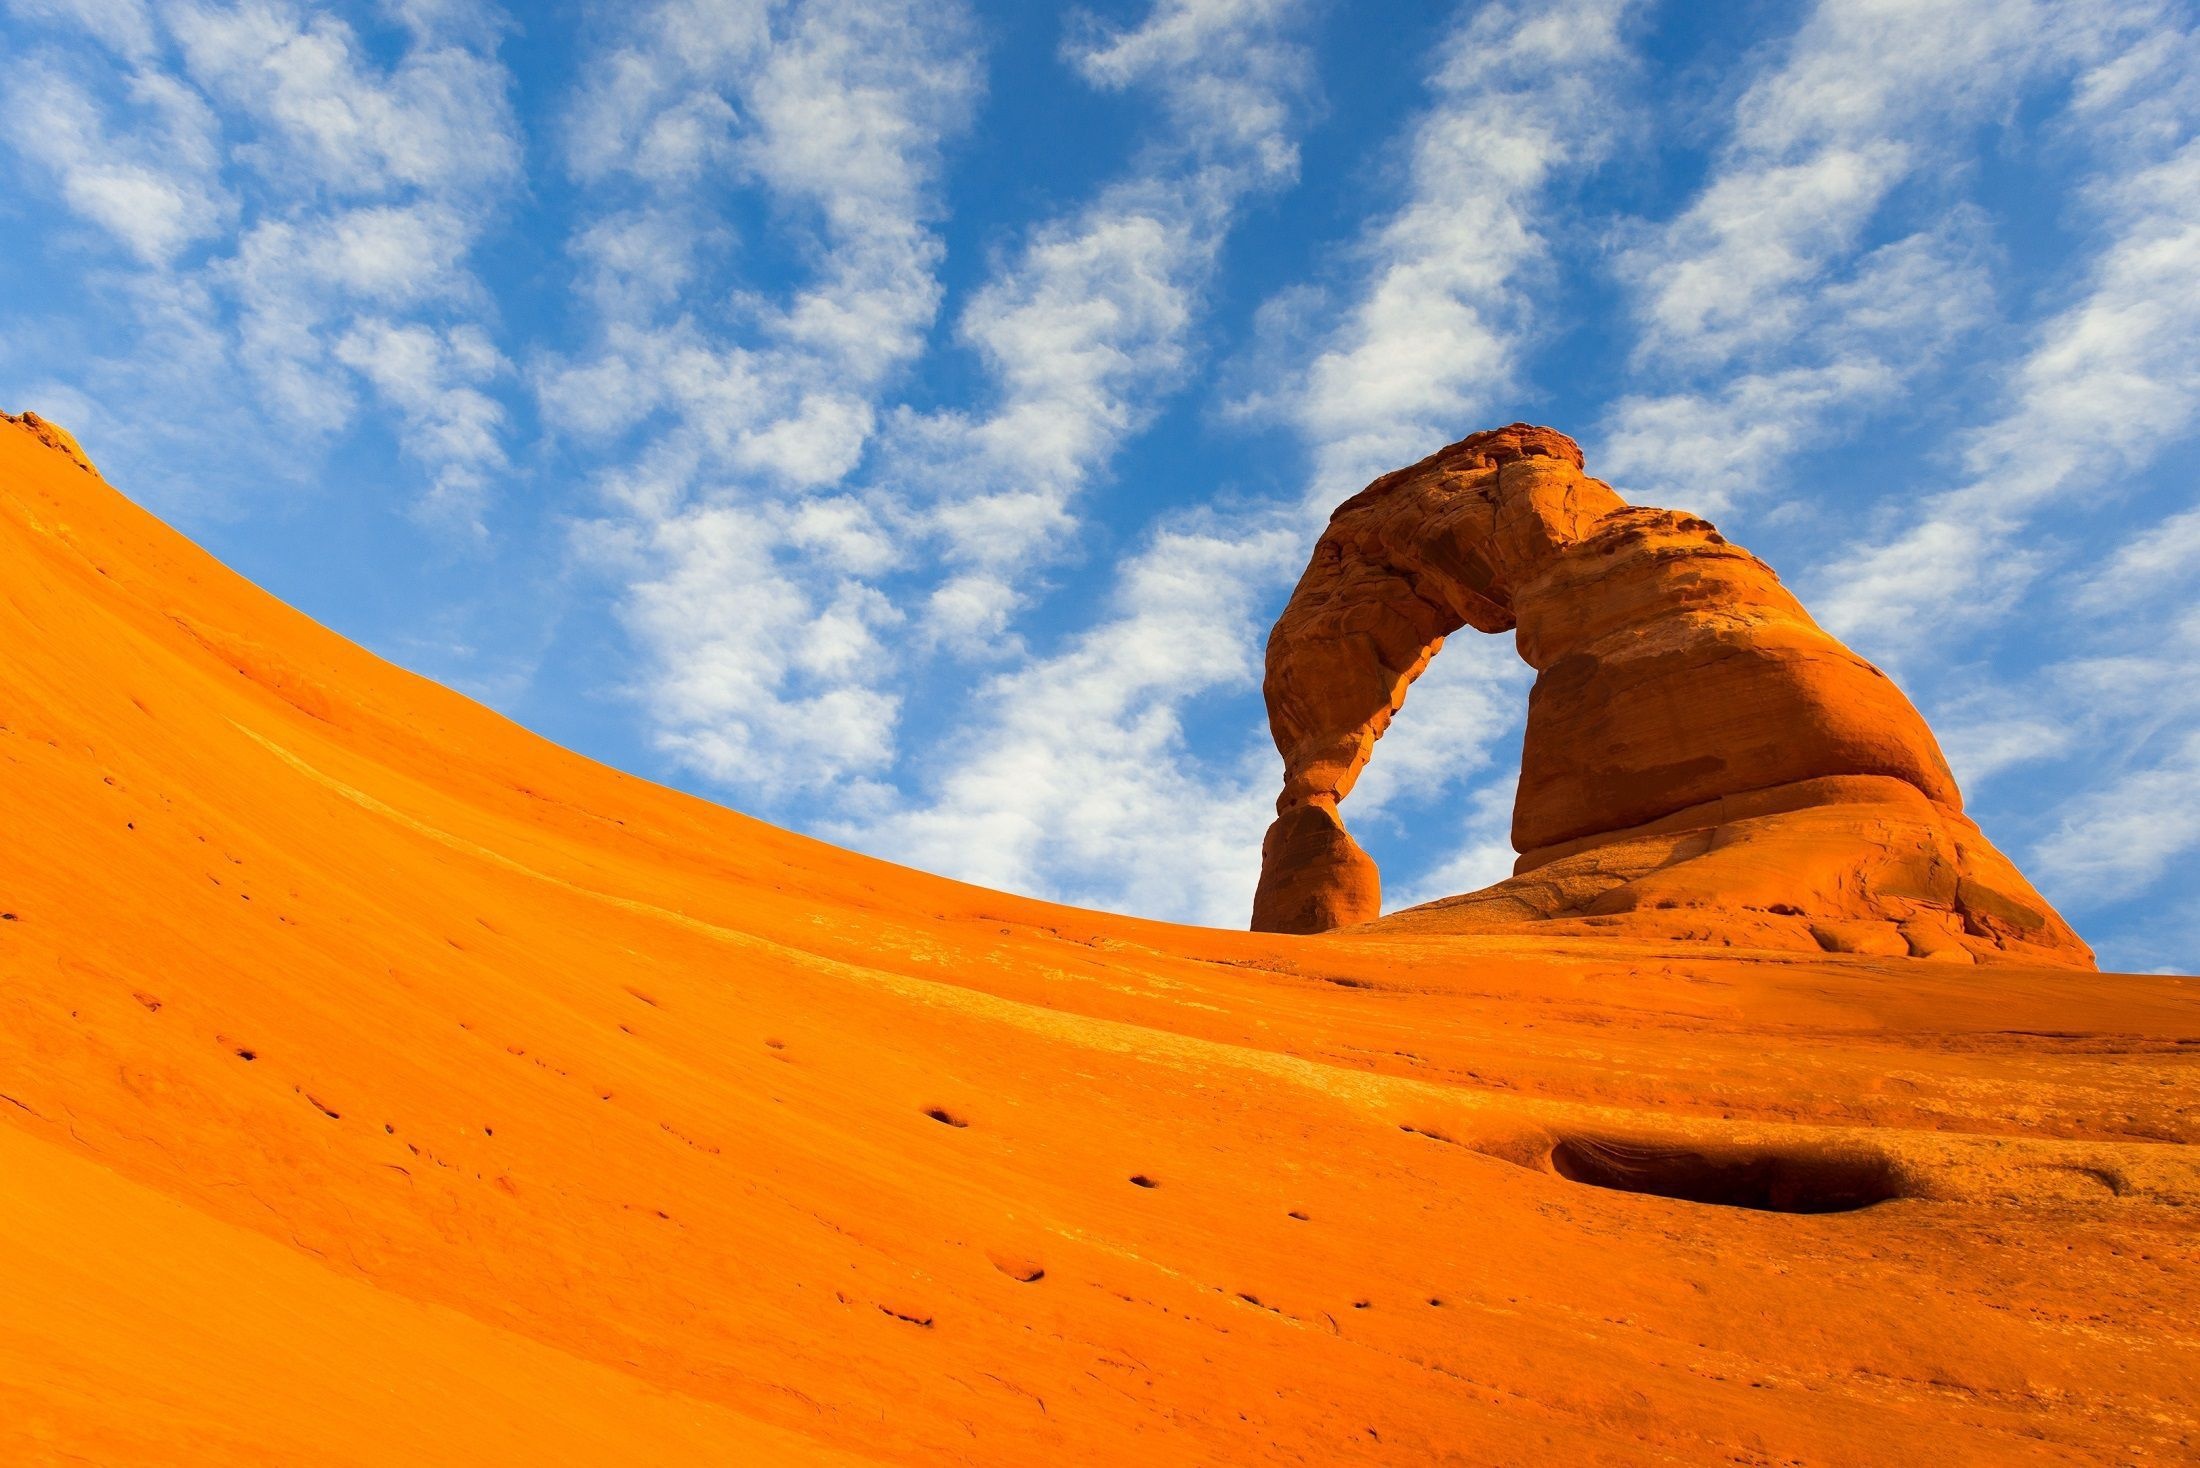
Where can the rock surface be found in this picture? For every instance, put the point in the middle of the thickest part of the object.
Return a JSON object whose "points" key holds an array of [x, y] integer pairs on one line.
{"points": [[1702, 760], [382, 1084]]}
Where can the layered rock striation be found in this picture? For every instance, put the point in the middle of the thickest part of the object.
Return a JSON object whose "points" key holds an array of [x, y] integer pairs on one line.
{"points": [[1702, 760]]}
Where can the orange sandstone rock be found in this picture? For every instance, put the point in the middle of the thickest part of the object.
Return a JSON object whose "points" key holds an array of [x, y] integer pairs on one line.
{"points": [[1702, 759], [381, 1084]]}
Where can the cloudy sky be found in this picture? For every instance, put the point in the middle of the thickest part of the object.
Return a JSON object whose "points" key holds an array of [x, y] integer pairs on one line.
{"points": [[901, 419]]}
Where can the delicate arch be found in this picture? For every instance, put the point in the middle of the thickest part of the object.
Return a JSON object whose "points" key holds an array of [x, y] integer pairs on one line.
{"points": [[1695, 742]]}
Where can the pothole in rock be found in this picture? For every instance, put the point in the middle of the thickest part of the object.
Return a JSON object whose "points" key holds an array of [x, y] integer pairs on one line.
{"points": [[1796, 1180]]}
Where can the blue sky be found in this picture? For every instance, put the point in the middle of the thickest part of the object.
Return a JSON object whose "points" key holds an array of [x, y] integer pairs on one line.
{"points": [[901, 419]]}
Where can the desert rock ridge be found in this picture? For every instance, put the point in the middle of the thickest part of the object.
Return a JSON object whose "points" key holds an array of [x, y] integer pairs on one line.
{"points": [[383, 1084]]}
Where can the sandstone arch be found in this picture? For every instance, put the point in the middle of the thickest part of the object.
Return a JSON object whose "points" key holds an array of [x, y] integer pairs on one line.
{"points": [[1702, 759]]}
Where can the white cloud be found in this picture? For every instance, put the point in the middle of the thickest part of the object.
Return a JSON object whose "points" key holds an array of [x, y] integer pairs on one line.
{"points": [[2155, 564], [1867, 93], [1765, 321], [653, 107], [1854, 346], [838, 111], [1090, 318], [154, 186], [841, 109], [1521, 94], [768, 688], [1983, 743], [1075, 777], [764, 666], [1474, 691], [2118, 839], [1084, 326], [126, 26], [1229, 73], [1078, 782], [434, 379], [299, 285], [438, 120], [639, 261], [2109, 383], [304, 216], [1481, 855]]}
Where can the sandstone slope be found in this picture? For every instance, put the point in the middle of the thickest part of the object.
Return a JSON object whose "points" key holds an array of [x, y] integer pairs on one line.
{"points": [[380, 1084]]}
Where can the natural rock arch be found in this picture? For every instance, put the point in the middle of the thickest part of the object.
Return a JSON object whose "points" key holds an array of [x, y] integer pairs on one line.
{"points": [[1701, 760]]}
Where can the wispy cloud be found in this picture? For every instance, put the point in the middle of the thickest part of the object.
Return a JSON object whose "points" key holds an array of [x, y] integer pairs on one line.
{"points": [[1480, 850], [1856, 345], [2159, 566], [1079, 327], [289, 200], [333, 120], [1867, 93], [1764, 296], [2121, 837], [435, 379], [763, 661], [153, 181], [1080, 781], [1520, 94], [1089, 322], [2109, 383]]}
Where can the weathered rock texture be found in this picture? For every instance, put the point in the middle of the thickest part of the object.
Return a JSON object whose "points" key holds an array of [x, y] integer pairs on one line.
{"points": [[1702, 759], [381, 1084]]}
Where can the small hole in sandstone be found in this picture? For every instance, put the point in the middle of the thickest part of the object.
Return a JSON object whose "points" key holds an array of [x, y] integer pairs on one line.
{"points": [[248, 1054], [1294, 1213], [1437, 1301], [1017, 1266], [9, 917], [944, 1117], [1140, 1180], [776, 1044], [1361, 1304]]}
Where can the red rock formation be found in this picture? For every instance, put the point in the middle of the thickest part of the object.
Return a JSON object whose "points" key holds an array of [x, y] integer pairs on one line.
{"points": [[381, 1084], [1702, 759]]}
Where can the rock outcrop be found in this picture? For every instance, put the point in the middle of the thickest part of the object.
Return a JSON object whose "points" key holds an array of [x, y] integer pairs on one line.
{"points": [[1702, 760], [354, 1038]]}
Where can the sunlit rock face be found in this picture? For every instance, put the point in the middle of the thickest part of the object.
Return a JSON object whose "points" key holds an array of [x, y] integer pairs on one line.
{"points": [[1702, 760], [354, 1038]]}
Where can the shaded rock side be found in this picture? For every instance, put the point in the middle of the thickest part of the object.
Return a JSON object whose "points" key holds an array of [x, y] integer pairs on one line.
{"points": [[1702, 760]]}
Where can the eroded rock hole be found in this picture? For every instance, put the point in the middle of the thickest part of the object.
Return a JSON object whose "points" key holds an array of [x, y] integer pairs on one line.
{"points": [[944, 1117], [1793, 1181], [1140, 1180]]}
